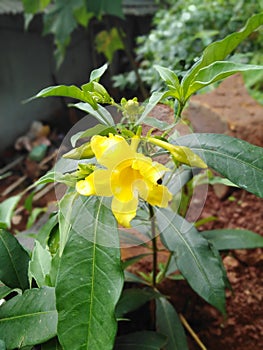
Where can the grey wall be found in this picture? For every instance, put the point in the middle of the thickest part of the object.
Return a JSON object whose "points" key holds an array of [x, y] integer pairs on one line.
{"points": [[26, 66]]}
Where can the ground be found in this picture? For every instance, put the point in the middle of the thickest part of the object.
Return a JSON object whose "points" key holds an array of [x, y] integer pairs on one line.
{"points": [[242, 329]]}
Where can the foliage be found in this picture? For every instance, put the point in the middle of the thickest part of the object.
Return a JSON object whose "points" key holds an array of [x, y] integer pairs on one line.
{"points": [[68, 291], [182, 29], [61, 18]]}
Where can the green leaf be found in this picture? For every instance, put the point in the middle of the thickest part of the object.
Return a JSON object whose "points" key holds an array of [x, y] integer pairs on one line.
{"points": [[13, 262], [4, 291], [101, 7], [46, 230], [96, 74], [153, 100], [64, 218], [194, 257], [29, 319], [71, 91], [168, 323], [146, 340], [171, 81], [7, 208], [235, 159], [99, 129], [50, 176], [219, 50], [132, 298], [90, 279], [2, 345], [35, 6], [217, 71], [108, 42], [40, 265], [225, 239], [101, 114], [33, 216]]}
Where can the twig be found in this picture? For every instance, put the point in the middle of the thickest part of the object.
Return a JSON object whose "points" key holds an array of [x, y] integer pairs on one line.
{"points": [[14, 185], [192, 333], [12, 164]]}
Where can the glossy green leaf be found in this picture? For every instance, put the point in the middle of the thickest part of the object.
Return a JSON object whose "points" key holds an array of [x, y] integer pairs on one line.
{"points": [[219, 50], [132, 298], [218, 71], [194, 257], [224, 239], [7, 208], [71, 91], [45, 230], [235, 159], [90, 279], [168, 323], [145, 340], [4, 291], [13, 262], [101, 113], [29, 319], [39, 265]]}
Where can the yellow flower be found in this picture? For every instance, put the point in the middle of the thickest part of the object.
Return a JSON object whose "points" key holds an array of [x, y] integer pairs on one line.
{"points": [[127, 176]]}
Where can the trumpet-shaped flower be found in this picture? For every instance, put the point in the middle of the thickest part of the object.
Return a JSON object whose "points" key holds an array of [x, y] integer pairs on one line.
{"points": [[125, 175]]}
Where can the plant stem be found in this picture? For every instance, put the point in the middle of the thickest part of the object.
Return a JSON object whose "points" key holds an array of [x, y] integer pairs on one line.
{"points": [[154, 246], [191, 331]]}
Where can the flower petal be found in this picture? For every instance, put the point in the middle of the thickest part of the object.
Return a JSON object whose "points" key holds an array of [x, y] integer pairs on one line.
{"points": [[124, 212], [111, 150], [156, 195], [97, 183], [152, 171]]}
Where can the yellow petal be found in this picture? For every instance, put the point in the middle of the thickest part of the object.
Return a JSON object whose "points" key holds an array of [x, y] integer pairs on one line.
{"points": [[111, 150], [123, 180], [97, 183], [124, 212], [86, 187], [156, 195], [152, 171]]}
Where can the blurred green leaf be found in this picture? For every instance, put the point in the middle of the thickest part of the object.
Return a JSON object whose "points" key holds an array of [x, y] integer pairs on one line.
{"points": [[145, 340], [235, 159], [194, 257], [224, 239], [29, 319], [7, 208], [13, 262], [168, 323], [108, 42], [35, 6]]}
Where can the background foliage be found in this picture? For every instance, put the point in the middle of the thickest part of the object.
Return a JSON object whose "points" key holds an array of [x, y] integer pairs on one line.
{"points": [[182, 29]]}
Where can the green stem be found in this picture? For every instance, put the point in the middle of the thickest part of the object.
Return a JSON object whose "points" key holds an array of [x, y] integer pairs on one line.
{"points": [[154, 246]]}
